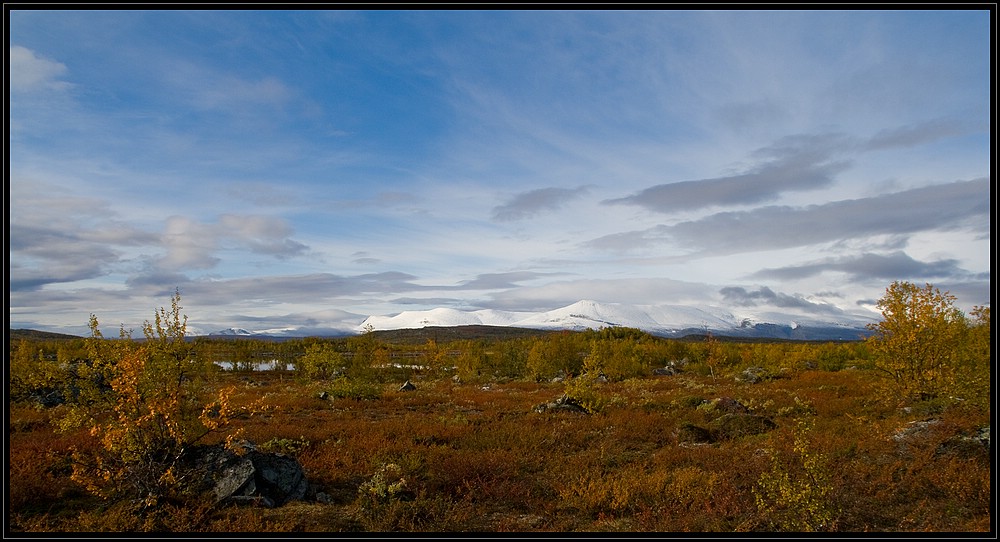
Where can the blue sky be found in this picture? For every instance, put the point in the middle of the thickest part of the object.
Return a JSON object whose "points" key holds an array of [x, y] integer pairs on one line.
{"points": [[301, 168]]}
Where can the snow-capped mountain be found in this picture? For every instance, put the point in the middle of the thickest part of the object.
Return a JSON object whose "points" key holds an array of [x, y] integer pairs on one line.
{"points": [[445, 317], [234, 332], [336, 329], [664, 320]]}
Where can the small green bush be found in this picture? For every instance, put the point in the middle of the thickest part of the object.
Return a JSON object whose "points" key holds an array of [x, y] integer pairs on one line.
{"points": [[284, 446], [584, 390], [359, 390]]}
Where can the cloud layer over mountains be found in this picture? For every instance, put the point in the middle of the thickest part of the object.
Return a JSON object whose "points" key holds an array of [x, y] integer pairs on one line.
{"points": [[662, 320]]}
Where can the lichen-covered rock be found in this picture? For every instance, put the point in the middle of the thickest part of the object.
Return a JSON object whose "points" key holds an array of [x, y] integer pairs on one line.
{"points": [[976, 445], [753, 375], [267, 479]]}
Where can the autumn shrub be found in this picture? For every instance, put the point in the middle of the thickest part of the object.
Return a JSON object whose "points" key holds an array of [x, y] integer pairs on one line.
{"points": [[320, 361], [559, 354], [795, 495], [712, 357], [424, 513], [770, 356], [833, 357], [31, 375], [387, 484], [926, 347], [354, 388], [923, 483], [470, 360], [586, 391], [972, 381], [617, 354], [506, 360], [146, 403], [366, 358]]}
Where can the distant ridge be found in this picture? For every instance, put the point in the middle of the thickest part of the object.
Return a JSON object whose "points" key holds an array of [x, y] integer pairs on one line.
{"points": [[34, 334]]}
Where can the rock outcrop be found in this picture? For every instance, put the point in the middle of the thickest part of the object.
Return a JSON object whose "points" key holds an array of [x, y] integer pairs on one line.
{"points": [[266, 479]]}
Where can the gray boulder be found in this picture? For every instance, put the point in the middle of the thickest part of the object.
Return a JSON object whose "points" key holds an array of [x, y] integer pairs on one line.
{"points": [[753, 375], [407, 386], [564, 403], [672, 367], [267, 479]]}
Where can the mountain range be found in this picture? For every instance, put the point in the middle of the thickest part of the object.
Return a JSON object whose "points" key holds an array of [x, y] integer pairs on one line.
{"points": [[660, 320]]}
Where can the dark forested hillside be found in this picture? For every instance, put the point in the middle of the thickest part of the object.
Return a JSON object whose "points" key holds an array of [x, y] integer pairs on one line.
{"points": [[18, 334]]}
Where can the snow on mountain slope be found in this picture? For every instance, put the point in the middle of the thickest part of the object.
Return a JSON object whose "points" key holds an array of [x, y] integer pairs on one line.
{"points": [[593, 315], [666, 320], [657, 319], [443, 317], [675, 317], [403, 320], [234, 332], [491, 317]]}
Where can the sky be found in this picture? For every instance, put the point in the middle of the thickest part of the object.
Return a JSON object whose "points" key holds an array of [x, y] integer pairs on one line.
{"points": [[306, 169]]}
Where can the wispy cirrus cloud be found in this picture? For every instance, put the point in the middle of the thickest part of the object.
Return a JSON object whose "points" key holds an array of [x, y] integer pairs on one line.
{"points": [[893, 266], [793, 164], [961, 204], [915, 134], [944, 206], [496, 281], [279, 289]]}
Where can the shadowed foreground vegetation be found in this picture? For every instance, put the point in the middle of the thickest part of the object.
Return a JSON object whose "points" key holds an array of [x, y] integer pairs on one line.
{"points": [[761, 437]]}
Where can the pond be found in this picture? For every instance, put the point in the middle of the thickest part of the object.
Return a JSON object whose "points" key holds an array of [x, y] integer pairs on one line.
{"points": [[272, 365]]}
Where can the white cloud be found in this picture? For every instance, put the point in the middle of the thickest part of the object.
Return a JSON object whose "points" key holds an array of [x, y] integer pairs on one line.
{"points": [[189, 245], [637, 291], [194, 245], [28, 71]]}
